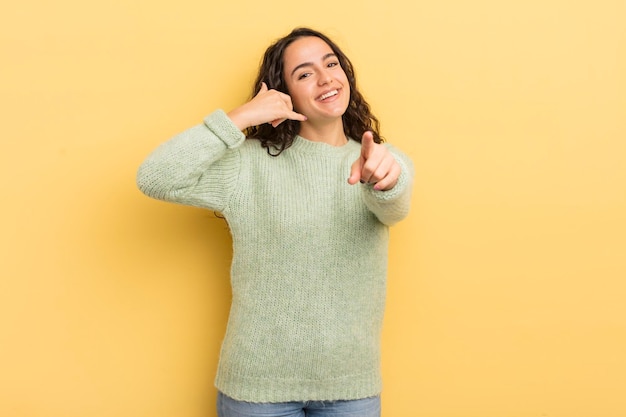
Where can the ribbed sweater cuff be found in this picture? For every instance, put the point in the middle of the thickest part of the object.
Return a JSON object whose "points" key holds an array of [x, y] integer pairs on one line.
{"points": [[221, 125], [404, 181]]}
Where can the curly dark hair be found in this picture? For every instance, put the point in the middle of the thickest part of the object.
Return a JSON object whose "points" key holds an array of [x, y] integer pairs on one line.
{"points": [[357, 118]]}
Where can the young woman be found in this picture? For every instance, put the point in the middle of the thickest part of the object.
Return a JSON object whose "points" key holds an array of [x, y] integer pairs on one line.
{"points": [[308, 192]]}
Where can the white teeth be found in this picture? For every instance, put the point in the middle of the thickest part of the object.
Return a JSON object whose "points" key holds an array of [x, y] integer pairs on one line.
{"points": [[329, 94]]}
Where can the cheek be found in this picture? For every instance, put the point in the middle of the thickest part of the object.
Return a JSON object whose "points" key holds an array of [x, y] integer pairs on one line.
{"points": [[346, 82], [297, 97]]}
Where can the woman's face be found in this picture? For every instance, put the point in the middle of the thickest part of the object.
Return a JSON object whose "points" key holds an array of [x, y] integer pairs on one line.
{"points": [[317, 84]]}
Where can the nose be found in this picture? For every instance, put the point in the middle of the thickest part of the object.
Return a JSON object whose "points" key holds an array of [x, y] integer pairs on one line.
{"points": [[325, 78]]}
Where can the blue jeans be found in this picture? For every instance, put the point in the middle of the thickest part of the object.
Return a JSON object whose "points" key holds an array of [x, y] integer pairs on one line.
{"points": [[367, 407]]}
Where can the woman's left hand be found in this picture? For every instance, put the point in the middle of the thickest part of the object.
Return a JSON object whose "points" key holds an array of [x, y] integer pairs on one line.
{"points": [[376, 165]]}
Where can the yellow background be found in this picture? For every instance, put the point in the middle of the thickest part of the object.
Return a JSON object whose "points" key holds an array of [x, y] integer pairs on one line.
{"points": [[507, 282]]}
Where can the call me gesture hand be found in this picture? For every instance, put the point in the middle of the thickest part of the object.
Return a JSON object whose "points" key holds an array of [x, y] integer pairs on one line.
{"points": [[376, 165], [268, 106]]}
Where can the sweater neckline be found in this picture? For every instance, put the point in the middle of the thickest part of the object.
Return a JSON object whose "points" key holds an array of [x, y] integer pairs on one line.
{"points": [[304, 145]]}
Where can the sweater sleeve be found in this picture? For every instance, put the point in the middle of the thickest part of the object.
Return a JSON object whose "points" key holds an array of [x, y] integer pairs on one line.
{"points": [[198, 167], [393, 205]]}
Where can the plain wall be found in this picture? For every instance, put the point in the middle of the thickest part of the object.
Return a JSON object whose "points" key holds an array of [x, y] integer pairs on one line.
{"points": [[507, 281]]}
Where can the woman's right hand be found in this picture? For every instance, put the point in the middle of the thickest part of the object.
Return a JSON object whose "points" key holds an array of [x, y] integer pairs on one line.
{"points": [[268, 106]]}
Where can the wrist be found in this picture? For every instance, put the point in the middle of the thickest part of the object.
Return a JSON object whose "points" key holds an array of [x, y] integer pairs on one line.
{"points": [[238, 118]]}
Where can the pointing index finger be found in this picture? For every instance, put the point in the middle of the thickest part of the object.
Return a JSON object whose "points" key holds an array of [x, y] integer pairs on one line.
{"points": [[367, 144]]}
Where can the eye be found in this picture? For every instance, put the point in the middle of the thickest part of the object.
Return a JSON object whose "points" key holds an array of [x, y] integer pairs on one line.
{"points": [[332, 64], [304, 75]]}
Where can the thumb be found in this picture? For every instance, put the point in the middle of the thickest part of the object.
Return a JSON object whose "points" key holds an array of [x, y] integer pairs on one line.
{"points": [[367, 144], [355, 171], [263, 88]]}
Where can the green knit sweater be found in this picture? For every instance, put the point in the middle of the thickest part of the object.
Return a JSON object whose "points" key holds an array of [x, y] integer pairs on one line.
{"points": [[309, 258]]}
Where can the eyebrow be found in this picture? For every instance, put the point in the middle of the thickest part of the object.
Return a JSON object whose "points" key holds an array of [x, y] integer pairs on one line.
{"points": [[308, 64]]}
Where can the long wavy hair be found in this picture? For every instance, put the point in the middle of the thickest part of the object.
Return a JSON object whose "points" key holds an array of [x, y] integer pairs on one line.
{"points": [[357, 118]]}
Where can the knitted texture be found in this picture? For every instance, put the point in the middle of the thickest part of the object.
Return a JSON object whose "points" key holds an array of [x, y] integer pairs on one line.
{"points": [[309, 258]]}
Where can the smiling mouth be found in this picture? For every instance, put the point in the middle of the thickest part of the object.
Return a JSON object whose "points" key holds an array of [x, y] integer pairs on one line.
{"points": [[328, 94]]}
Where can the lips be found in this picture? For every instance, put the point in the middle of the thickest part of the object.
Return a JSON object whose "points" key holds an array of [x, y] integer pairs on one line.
{"points": [[328, 94]]}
